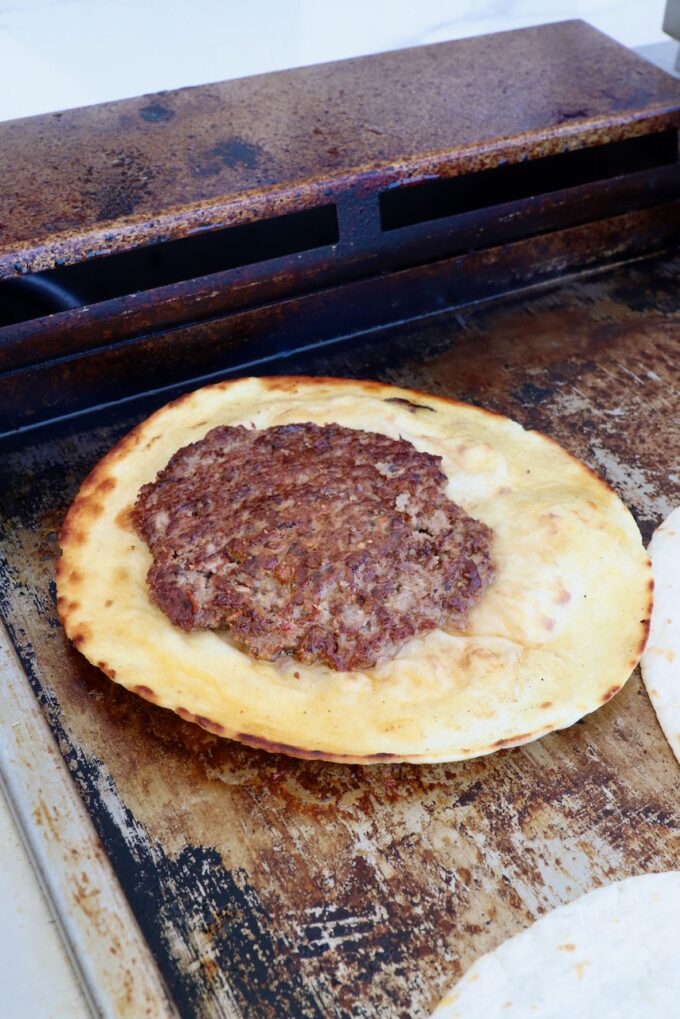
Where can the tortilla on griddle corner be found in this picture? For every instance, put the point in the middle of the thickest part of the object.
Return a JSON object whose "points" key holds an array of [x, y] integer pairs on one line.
{"points": [[612, 954]]}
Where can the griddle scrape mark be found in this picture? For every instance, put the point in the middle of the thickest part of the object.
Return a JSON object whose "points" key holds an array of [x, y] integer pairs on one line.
{"points": [[174, 897], [202, 921], [330, 925]]}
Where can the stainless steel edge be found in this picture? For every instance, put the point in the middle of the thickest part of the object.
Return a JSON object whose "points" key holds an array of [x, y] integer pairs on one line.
{"points": [[118, 974]]}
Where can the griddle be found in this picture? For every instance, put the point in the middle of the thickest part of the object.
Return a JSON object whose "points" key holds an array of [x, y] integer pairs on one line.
{"points": [[494, 220]]}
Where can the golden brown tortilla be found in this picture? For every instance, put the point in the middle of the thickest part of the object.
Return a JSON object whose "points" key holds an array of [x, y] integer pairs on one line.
{"points": [[556, 635]]}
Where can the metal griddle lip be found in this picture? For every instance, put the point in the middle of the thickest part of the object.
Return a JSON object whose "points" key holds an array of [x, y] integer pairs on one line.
{"points": [[101, 954], [142, 404]]}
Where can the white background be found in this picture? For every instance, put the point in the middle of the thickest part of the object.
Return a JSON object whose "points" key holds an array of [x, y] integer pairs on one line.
{"points": [[56, 54]]}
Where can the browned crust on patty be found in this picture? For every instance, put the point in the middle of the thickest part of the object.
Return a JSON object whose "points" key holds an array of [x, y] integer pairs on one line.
{"points": [[332, 544]]}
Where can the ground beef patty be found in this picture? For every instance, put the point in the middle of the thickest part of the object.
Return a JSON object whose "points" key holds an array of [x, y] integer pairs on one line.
{"points": [[331, 544]]}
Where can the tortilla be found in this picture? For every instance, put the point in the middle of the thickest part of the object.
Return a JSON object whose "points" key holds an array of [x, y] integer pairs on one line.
{"points": [[555, 636], [612, 954], [660, 663]]}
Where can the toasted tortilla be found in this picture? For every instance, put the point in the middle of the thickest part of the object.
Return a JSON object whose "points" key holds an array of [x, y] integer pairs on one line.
{"points": [[612, 954], [660, 664], [556, 635]]}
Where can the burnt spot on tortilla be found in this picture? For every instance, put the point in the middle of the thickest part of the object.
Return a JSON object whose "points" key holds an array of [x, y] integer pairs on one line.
{"points": [[183, 713], [512, 741], [108, 603], [413, 407], [547, 704], [611, 692], [75, 577], [207, 723], [567, 948], [646, 623], [179, 401], [272, 747], [124, 519], [107, 484], [145, 691], [284, 384], [70, 535]]}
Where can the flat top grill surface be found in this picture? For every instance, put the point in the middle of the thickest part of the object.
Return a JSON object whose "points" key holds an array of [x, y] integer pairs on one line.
{"points": [[267, 886]]}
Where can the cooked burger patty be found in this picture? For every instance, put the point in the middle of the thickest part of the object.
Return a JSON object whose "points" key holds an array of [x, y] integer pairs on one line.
{"points": [[328, 543]]}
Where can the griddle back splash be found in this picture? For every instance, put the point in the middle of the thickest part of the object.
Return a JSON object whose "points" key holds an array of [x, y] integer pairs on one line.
{"points": [[157, 242]]}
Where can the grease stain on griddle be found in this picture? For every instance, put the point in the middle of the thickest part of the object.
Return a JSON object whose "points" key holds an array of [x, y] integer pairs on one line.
{"points": [[229, 153], [529, 393], [155, 113], [124, 182]]}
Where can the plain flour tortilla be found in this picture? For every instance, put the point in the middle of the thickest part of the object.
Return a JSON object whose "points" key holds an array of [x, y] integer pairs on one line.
{"points": [[660, 663], [555, 636], [612, 954]]}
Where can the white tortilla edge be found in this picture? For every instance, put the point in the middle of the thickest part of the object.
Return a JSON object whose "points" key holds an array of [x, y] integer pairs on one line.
{"points": [[660, 662], [611, 954]]}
